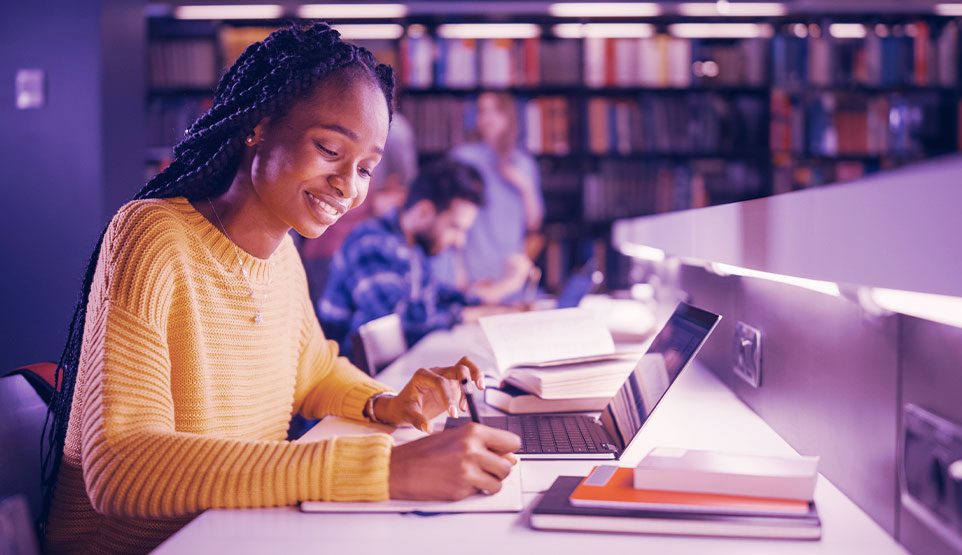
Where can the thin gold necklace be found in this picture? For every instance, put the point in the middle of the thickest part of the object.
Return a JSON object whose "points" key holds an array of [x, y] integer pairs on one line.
{"points": [[258, 316]]}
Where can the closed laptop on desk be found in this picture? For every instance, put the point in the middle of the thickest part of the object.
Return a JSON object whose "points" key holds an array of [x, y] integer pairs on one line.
{"points": [[553, 436]]}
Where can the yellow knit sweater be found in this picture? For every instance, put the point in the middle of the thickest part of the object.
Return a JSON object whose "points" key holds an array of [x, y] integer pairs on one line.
{"points": [[182, 401]]}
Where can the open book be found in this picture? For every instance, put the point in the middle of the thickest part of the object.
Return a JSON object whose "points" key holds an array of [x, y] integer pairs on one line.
{"points": [[564, 353]]}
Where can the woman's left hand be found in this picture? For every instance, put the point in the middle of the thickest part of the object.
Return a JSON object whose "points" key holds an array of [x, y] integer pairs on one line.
{"points": [[430, 392]]}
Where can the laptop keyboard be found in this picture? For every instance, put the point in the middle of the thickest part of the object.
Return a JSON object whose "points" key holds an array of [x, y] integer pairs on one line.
{"points": [[555, 434]]}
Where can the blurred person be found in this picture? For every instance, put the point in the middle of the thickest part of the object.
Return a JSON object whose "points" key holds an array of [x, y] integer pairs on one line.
{"points": [[387, 190], [383, 266], [194, 338], [505, 238]]}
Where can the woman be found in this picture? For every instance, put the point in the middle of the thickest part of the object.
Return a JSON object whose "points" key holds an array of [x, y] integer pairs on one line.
{"points": [[496, 261], [194, 338]]}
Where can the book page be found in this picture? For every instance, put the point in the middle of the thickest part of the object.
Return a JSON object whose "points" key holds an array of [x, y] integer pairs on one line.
{"points": [[545, 335]]}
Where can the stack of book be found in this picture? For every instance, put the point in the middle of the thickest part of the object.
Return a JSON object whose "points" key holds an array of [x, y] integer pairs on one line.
{"points": [[689, 492], [560, 360]]}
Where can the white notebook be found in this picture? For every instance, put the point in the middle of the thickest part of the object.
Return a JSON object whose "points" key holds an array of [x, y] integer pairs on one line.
{"points": [[508, 500]]}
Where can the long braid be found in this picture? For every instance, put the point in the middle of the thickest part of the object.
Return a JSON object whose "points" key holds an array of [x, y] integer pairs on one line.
{"points": [[263, 81]]}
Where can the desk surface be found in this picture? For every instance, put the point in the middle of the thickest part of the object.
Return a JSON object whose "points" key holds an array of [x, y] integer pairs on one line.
{"points": [[698, 412]]}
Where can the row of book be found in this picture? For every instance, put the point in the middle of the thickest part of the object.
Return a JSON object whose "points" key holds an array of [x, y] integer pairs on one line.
{"points": [[802, 174], [467, 63], [912, 54], [183, 63], [692, 123], [659, 61], [689, 492], [663, 61], [548, 124], [847, 123], [627, 188], [697, 122], [908, 55], [168, 118]]}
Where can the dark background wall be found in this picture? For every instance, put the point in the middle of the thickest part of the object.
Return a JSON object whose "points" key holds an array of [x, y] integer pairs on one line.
{"points": [[67, 166]]}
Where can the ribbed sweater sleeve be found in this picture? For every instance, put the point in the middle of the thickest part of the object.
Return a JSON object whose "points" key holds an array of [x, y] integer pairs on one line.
{"points": [[147, 399], [327, 383]]}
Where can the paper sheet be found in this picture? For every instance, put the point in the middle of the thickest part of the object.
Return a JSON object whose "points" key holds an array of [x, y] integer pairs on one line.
{"points": [[508, 500]]}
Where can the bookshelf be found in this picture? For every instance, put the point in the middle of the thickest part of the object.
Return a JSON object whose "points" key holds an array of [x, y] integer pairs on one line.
{"points": [[625, 127]]}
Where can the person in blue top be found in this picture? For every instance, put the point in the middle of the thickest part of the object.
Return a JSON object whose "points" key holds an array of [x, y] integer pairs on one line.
{"points": [[382, 267], [494, 262]]}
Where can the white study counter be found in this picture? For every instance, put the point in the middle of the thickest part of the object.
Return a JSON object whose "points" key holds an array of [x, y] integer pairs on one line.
{"points": [[699, 411]]}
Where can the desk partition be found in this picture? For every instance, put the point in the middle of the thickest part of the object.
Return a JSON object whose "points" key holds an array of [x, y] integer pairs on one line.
{"points": [[838, 371]]}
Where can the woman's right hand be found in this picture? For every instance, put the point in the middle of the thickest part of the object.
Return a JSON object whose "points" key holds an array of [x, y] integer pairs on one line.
{"points": [[453, 464]]}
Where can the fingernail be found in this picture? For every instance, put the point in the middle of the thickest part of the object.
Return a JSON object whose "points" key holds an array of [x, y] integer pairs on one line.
{"points": [[453, 411], [480, 383]]}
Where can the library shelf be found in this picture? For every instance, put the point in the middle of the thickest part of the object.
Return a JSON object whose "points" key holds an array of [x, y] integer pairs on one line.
{"points": [[780, 113]]}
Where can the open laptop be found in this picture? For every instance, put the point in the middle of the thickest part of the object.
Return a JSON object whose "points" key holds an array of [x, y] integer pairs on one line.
{"points": [[578, 436], [579, 284]]}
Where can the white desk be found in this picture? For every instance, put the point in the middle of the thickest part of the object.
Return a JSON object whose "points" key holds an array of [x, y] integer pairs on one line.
{"points": [[698, 412]]}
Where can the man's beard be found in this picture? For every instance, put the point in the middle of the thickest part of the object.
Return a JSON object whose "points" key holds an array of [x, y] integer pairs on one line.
{"points": [[424, 240]]}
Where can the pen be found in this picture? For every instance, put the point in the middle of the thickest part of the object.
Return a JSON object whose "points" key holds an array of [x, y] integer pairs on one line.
{"points": [[471, 407]]}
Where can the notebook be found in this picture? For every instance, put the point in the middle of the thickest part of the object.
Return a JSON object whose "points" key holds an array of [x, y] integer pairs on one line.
{"points": [[576, 436], [613, 487], [554, 511], [508, 500]]}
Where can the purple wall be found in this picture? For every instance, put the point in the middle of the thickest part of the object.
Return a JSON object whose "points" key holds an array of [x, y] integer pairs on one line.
{"points": [[57, 190]]}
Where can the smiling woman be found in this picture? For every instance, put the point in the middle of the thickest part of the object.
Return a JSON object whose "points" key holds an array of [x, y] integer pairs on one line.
{"points": [[194, 337]]}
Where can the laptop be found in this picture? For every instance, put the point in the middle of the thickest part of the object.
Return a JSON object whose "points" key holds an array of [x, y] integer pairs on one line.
{"points": [[580, 283], [579, 436]]}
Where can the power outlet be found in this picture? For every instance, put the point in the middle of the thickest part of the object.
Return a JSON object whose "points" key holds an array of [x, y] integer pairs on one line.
{"points": [[748, 354], [930, 471]]}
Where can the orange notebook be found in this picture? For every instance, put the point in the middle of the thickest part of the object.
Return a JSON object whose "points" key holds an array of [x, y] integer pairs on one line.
{"points": [[612, 487]]}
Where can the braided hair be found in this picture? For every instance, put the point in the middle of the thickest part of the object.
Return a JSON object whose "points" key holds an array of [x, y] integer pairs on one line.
{"points": [[263, 82]]}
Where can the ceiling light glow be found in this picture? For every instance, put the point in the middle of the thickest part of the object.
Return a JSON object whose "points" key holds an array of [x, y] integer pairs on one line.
{"points": [[230, 11]]}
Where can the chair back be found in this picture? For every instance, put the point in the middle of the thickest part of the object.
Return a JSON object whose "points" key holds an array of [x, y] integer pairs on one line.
{"points": [[16, 529], [24, 394], [382, 340]]}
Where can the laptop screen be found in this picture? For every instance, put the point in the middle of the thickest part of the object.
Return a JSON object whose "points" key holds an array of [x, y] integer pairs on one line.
{"points": [[578, 285], [670, 352]]}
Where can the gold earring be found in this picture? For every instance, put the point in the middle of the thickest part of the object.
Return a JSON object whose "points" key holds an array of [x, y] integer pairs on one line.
{"points": [[249, 141]]}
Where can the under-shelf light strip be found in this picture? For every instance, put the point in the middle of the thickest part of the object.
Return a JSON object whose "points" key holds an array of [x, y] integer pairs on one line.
{"points": [[489, 31], [369, 31], [603, 30], [847, 30], [720, 30], [352, 11], [734, 9], [604, 9], [230, 11], [641, 252], [937, 308], [948, 9], [826, 287]]}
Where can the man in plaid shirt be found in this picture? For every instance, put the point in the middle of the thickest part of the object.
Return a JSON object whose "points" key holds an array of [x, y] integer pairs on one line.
{"points": [[383, 266]]}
